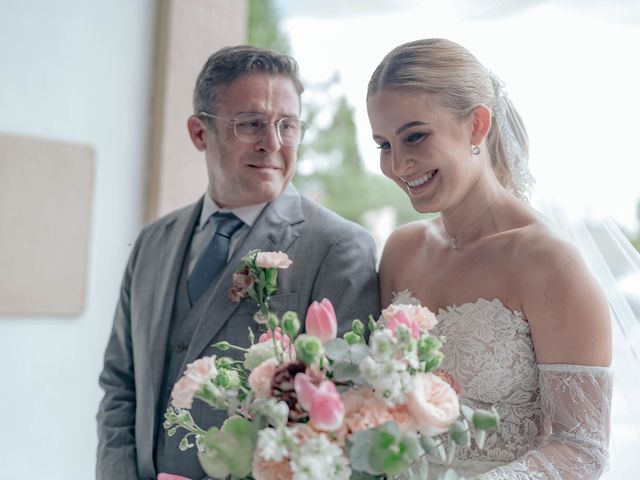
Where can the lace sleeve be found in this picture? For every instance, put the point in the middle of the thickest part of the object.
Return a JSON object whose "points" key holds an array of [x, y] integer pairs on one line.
{"points": [[576, 403]]}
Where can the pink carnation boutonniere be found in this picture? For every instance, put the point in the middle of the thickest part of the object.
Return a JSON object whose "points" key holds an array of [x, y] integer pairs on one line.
{"points": [[257, 278]]}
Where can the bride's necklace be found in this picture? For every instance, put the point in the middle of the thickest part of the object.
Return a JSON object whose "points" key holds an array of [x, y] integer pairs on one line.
{"points": [[456, 240]]}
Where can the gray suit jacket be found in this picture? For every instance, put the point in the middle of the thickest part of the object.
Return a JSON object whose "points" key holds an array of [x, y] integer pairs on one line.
{"points": [[332, 258]]}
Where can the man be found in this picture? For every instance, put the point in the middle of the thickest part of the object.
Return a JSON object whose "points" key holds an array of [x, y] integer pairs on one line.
{"points": [[173, 306]]}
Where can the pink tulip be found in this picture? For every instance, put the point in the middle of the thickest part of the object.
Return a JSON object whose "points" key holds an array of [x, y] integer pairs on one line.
{"points": [[170, 476], [324, 404], [321, 321], [400, 318]]}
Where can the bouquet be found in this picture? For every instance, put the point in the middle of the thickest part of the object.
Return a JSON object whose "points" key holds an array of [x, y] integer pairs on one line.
{"points": [[372, 404]]}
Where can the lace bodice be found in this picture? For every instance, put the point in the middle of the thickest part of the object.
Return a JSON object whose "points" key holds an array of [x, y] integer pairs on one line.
{"points": [[554, 418]]}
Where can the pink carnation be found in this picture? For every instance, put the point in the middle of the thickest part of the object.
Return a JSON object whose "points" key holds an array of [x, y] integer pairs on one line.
{"points": [[261, 376], [422, 316], [273, 260], [195, 376], [433, 404]]}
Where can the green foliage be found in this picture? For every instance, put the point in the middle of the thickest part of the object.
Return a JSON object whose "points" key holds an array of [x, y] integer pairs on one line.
{"points": [[263, 26]]}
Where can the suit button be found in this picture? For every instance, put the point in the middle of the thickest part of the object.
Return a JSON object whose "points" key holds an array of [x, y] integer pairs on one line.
{"points": [[181, 347]]}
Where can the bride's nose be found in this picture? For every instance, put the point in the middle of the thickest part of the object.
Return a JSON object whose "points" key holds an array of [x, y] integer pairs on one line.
{"points": [[401, 163]]}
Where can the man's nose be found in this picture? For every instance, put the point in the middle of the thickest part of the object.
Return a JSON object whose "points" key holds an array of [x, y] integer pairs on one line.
{"points": [[270, 141]]}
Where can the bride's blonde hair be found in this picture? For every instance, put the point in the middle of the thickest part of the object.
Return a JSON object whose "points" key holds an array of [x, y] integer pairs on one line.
{"points": [[460, 82]]}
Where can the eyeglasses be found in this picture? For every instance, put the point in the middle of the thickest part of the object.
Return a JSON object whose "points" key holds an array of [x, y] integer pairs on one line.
{"points": [[251, 127]]}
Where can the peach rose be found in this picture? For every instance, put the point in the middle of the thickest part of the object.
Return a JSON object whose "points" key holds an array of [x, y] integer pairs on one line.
{"points": [[262, 469], [261, 376], [433, 404], [273, 260], [363, 410], [424, 317], [403, 418]]}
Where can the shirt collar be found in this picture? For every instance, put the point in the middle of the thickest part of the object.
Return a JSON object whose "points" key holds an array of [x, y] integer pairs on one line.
{"points": [[248, 214]]}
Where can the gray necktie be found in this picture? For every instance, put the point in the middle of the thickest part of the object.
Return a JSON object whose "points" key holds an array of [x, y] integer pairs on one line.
{"points": [[213, 258]]}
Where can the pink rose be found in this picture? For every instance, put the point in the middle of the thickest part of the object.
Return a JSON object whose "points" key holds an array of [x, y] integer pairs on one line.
{"points": [[273, 260], [269, 334], [321, 321], [433, 404], [323, 402], [261, 376], [424, 317], [194, 377], [400, 318]]}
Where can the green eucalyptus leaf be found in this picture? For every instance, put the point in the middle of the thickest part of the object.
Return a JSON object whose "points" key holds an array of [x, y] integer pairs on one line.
{"points": [[358, 352], [467, 412], [486, 419], [345, 371], [460, 434], [359, 449], [336, 349]]}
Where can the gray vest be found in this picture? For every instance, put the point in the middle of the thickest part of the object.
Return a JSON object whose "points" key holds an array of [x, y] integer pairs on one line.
{"points": [[184, 320]]}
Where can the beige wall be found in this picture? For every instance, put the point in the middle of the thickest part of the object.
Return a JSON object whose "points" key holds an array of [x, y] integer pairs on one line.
{"points": [[186, 38]]}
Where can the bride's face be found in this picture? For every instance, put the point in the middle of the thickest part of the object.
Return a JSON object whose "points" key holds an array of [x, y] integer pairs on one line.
{"points": [[424, 148]]}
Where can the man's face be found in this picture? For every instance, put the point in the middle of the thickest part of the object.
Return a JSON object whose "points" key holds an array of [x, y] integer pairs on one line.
{"points": [[243, 173]]}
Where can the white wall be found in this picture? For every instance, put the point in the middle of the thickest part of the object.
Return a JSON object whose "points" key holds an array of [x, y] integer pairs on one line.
{"points": [[77, 71]]}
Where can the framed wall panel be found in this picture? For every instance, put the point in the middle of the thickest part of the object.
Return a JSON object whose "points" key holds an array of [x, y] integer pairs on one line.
{"points": [[46, 196]]}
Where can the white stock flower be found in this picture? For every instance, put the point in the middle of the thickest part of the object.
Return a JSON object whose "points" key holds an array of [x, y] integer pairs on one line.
{"points": [[320, 459], [273, 444]]}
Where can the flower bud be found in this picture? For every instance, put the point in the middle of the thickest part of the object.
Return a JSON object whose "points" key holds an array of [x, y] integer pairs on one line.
{"points": [[272, 321], [308, 349], [224, 346], [352, 338], [291, 324], [357, 327]]}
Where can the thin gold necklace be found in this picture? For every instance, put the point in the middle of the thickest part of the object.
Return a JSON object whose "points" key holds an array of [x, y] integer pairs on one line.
{"points": [[456, 240]]}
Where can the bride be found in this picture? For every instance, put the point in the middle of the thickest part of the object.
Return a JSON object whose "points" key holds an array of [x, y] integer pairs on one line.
{"points": [[527, 326]]}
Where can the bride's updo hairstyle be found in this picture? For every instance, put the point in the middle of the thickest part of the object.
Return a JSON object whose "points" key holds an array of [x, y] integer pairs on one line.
{"points": [[458, 81]]}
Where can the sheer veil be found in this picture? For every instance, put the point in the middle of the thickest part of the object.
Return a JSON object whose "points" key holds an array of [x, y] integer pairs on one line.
{"points": [[603, 246]]}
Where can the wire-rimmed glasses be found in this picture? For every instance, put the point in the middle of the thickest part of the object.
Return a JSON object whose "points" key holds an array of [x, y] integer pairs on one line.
{"points": [[251, 127]]}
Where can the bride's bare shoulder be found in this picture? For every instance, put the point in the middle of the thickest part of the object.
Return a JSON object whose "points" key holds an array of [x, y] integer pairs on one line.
{"points": [[411, 237]]}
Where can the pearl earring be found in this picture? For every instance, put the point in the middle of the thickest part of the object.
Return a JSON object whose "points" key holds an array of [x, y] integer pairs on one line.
{"points": [[475, 150]]}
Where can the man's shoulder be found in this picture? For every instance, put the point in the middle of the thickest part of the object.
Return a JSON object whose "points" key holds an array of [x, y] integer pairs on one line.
{"points": [[319, 217], [160, 223]]}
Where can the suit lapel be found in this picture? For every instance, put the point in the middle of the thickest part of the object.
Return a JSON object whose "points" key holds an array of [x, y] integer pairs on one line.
{"points": [[272, 231], [176, 239]]}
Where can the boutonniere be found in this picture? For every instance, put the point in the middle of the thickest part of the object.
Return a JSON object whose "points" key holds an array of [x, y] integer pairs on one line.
{"points": [[256, 277]]}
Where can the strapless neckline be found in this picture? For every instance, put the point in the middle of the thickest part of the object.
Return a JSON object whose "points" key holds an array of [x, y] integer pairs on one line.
{"points": [[480, 304]]}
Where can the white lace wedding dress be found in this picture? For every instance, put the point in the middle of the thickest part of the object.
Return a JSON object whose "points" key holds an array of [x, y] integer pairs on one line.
{"points": [[554, 418]]}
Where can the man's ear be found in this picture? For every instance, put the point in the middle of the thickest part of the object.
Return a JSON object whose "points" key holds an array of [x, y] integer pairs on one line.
{"points": [[481, 116], [197, 130]]}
